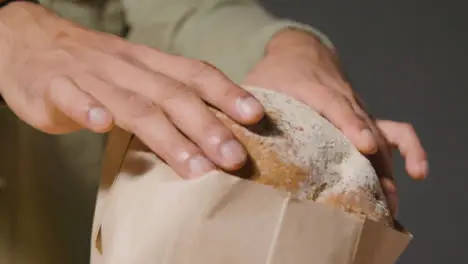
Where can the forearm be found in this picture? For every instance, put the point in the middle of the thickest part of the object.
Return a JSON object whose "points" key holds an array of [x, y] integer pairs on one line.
{"points": [[231, 34]]}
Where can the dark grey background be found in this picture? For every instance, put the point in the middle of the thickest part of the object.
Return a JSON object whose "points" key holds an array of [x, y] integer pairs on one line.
{"points": [[407, 60]]}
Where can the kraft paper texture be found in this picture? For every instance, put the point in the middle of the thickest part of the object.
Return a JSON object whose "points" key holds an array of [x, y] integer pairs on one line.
{"points": [[146, 214]]}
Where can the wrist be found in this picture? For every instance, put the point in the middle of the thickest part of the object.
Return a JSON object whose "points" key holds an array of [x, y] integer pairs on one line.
{"points": [[296, 40]]}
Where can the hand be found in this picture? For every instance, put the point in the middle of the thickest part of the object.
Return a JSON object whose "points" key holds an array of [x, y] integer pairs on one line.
{"points": [[59, 77], [297, 64], [390, 135]]}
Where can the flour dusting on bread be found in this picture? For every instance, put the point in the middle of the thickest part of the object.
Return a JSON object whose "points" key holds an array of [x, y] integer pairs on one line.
{"points": [[315, 160]]}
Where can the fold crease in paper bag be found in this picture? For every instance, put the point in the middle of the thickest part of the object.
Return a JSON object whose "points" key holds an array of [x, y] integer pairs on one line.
{"points": [[149, 215]]}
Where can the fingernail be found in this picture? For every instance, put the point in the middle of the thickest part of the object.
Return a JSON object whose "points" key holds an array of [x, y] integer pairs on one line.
{"points": [[98, 116], [248, 107], [369, 139], [233, 152], [199, 165], [422, 169]]}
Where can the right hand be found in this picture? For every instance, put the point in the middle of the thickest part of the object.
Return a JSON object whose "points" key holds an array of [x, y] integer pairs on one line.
{"points": [[402, 136], [59, 78]]}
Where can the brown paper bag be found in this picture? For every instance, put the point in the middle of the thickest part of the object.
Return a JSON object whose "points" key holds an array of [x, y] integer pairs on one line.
{"points": [[146, 214]]}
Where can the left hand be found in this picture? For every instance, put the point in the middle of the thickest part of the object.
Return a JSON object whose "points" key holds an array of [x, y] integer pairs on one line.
{"points": [[299, 65]]}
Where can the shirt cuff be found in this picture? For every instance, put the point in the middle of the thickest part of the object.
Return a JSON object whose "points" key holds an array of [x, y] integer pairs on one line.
{"points": [[268, 32]]}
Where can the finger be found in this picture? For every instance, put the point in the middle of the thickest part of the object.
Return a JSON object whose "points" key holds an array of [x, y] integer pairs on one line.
{"points": [[77, 105], [220, 146], [205, 129], [160, 134], [135, 74], [404, 137], [150, 124], [390, 190], [339, 111], [210, 83]]}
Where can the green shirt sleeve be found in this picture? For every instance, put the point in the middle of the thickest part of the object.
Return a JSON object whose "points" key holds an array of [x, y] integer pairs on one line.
{"points": [[230, 34], [101, 15]]}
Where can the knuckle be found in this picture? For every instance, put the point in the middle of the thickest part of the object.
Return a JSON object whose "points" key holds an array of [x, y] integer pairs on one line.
{"points": [[346, 100], [360, 113], [139, 112], [336, 103], [339, 109], [408, 128], [231, 92], [201, 70], [185, 152], [215, 134], [179, 91], [203, 74], [359, 122], [140, 51], [62, 36]]}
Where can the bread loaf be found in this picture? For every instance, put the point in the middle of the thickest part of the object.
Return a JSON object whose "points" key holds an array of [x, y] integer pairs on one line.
{"points": [[297, 150]]}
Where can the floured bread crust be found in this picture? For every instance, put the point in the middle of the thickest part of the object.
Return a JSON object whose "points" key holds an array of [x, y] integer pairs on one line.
{"points": [[295, 149]]}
